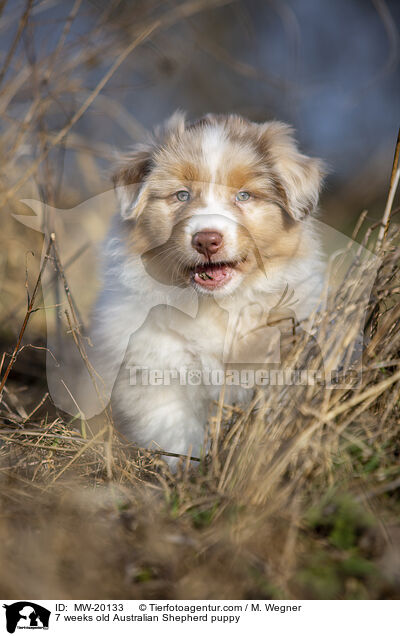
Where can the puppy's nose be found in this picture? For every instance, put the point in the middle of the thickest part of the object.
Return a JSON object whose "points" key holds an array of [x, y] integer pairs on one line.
{"points": [[207, 242]]}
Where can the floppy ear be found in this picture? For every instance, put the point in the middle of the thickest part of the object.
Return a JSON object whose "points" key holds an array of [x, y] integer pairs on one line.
{"points": [[298, 177], [130, 181]]}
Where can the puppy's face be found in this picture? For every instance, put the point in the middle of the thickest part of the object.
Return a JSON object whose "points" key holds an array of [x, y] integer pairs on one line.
{"points": [[217, 203]]}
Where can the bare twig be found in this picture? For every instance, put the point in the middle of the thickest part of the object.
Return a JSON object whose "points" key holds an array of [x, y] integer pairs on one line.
{"points": [[24, 324], [21, 26], [394, 180]]}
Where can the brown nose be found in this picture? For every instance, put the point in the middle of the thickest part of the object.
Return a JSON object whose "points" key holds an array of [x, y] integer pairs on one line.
{"points": [[207, 242]]}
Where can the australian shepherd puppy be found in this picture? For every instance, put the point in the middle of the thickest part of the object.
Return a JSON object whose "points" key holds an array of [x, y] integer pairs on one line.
{"points": [[214, 230]]}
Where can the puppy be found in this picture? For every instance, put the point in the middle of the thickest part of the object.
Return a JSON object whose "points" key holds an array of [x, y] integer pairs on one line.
{"points": [[218, 214]]}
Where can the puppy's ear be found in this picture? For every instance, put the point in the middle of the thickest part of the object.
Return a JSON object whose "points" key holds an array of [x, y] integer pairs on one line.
{"points": [[298, 177], [130, 181], [174, 125]]}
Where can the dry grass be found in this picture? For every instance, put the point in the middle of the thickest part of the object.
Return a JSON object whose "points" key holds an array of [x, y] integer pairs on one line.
{"points": [[299, 496]]}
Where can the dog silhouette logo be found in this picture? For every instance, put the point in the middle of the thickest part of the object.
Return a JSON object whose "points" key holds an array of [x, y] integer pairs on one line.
{"points": [[26, 615]]}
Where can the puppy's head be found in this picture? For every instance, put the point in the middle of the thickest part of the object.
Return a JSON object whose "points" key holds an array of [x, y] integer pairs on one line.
{"points": [[216, 203]]}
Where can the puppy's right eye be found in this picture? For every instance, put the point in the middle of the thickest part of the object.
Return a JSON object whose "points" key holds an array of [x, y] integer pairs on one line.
{"points": [[183, 195]]}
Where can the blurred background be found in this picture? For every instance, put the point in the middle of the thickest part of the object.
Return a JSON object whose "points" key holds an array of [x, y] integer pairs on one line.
{"points": [[82, 79]]}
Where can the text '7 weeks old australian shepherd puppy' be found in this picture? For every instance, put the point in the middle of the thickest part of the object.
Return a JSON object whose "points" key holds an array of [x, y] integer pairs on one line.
{"points": [[220, 211]]}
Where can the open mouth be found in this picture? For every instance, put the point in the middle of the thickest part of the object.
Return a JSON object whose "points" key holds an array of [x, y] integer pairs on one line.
{"points": [[213, 275]]}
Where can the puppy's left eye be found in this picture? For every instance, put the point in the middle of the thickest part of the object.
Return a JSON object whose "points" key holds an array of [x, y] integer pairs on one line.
{"points": [[183, 195], [243, 196]]}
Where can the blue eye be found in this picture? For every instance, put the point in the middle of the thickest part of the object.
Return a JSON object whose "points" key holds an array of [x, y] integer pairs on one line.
{"points": [[183, 195], [242, 196]]}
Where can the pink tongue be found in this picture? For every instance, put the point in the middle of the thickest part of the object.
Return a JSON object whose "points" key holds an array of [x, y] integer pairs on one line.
{"points": [[211, 276]]}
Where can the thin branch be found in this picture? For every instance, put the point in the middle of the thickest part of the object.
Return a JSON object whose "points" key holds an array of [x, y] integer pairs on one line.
{"points": [[29, 311], [21, 26], [394, 180]]}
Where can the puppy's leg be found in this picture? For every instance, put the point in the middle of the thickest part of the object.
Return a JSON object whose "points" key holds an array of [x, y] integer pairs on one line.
{"points": [[169, 418]]}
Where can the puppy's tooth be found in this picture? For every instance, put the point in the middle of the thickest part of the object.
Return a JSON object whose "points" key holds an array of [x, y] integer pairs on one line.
{"points": [[204, 276]]}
